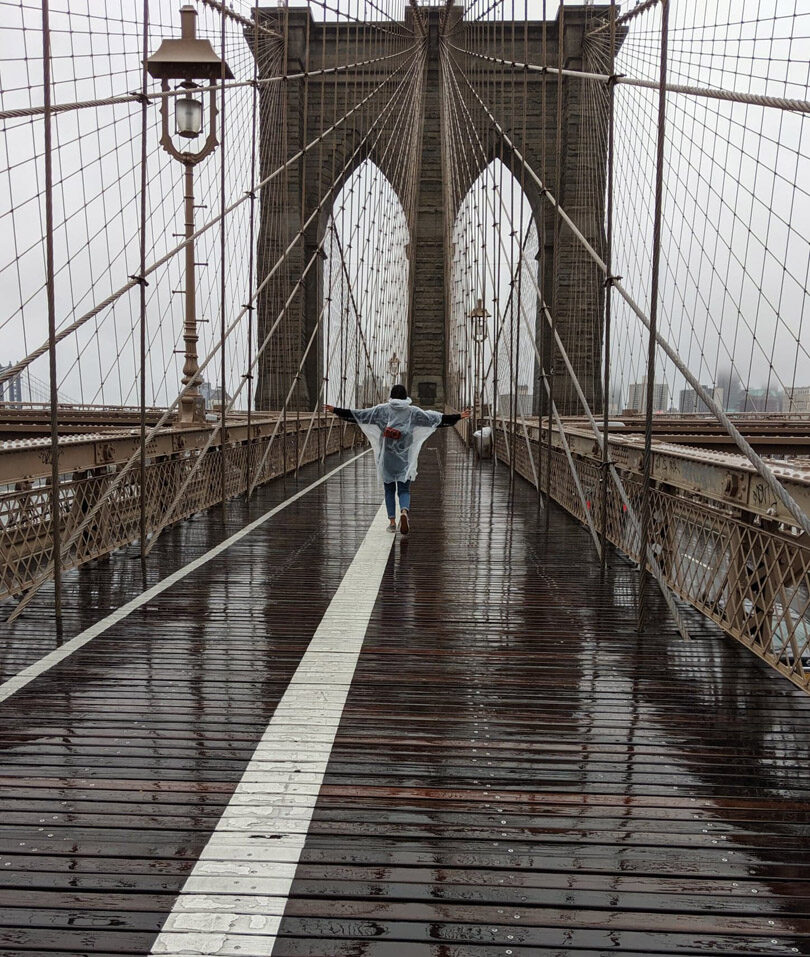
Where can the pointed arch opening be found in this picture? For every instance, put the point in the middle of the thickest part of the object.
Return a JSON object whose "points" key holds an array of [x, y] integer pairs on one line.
{"points": [[366, 291], [494, 259]]}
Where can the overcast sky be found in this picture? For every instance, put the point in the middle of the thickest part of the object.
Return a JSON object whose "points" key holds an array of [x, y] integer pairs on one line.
{"points": [[736, 211]]}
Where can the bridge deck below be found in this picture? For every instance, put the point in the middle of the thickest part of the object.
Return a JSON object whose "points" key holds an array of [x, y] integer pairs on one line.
{"points": [[513, 769]]}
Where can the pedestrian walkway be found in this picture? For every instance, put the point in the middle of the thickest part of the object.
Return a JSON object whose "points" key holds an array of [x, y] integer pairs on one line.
{"points": [[326, 740]]}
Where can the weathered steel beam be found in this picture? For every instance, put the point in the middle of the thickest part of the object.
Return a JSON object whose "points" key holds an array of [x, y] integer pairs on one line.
{"points": [[721, 545], [29, 459], [726, 478]]}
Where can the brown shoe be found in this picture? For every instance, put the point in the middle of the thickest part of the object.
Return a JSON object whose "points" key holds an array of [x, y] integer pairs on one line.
{"points": [[404, 527]]}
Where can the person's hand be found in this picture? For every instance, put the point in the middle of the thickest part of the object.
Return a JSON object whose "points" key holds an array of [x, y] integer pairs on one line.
{"points": [[466, 414], [328, 408]]}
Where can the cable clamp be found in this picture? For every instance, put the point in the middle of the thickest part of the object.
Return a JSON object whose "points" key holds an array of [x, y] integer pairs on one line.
{"points": [[247, 375], [251, 193], [249, 306], [140, 280], [140, 96], [611, 280], [614, 78]]}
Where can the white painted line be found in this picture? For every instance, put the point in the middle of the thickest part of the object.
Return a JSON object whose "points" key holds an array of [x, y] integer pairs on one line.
{"points": [[233, 901], [27, 675]]}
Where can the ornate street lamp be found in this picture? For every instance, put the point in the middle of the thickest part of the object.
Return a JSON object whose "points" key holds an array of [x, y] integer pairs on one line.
{"points": [[189, 60], [393, 367], [480, 329]]}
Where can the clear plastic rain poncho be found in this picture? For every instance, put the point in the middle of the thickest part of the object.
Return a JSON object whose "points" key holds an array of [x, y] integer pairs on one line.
{"points": [[396, 457]]}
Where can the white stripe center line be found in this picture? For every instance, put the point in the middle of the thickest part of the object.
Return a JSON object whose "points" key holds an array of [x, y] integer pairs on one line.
{"points": [[233, 901], [27, 675]]}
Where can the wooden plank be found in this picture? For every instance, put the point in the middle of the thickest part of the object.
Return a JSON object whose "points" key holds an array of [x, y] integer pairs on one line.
{"points": [[509, 746]]}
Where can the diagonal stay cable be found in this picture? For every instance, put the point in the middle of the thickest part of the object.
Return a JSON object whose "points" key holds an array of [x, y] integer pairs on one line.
{"points": [[773, 483], [298, 286], [731, 96], [48, 571], [157, 96], [369, 363], [656, 570], [18, 367]]}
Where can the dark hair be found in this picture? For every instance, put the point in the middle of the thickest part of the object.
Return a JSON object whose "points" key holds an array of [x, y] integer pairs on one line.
{"points": [[399, 392]]}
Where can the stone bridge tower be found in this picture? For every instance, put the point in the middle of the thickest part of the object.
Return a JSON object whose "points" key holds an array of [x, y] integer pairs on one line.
{"points": [[310, 107]]}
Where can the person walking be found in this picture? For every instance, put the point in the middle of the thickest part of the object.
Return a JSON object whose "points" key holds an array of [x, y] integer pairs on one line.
{"points": [[397, 429]]}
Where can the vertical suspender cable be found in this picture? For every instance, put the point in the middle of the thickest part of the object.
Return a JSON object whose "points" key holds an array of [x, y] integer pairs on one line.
{"points": [[321, 348], [654, 282], [142, 282], [56, 538], [558, 162], [306, 303], [252, 254], [288, 344], [515, 285], [541, 248], [222, 282], [556, 249], [608, 288]]}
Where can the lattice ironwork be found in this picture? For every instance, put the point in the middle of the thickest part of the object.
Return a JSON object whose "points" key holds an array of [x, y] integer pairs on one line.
{"points": [[25, 509], [749, 574]]}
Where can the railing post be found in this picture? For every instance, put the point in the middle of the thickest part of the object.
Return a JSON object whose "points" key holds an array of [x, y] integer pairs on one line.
{"points": [[654, 283], [56, 537]]}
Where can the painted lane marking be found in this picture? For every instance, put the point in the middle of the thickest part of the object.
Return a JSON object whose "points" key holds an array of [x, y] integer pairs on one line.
{"points": [[27, 675], [233, 901]]}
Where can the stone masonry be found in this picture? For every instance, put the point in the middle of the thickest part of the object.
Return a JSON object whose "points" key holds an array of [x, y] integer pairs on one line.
{"points": [[302, 111]]}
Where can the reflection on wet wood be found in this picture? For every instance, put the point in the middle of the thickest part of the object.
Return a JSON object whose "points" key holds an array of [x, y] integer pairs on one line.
{"points": [[516, 769]]}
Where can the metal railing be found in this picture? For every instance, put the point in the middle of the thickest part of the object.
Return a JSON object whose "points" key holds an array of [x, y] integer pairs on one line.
{"points": [[746, 570], [26, 541]]}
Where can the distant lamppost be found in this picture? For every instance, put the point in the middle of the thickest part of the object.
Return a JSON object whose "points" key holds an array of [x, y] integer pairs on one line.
{"points": [[480, 330], [393, 367], [189, 60]]}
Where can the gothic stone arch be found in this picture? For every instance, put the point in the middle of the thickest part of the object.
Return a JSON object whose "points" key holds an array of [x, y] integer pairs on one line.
{"points": [[577, 306]]}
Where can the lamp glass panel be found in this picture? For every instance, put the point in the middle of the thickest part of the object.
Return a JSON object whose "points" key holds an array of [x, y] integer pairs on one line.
{"points": [[188, 114]]}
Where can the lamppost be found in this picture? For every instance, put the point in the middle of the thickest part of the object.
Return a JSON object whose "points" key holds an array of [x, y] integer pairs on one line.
{"points": [[393, 367], [189, 60], [480, 330]]}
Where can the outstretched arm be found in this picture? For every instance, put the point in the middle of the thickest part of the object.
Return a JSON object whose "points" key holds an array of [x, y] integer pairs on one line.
{"points": [[452, 418], [340, 413], [360, 416]]}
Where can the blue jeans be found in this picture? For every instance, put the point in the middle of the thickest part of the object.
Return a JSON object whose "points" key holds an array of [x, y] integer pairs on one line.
{"points": [[403, 490]]}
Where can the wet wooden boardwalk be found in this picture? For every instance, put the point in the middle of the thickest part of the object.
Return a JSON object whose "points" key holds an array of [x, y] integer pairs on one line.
{"points": [[514, 769]]}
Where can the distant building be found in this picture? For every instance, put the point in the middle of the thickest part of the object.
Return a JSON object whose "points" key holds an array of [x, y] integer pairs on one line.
{"points": [[523, 403], [212, 394], [763, 400], [798, 399], [690, 401], [637, 398], [615, 405], [11, 391]]}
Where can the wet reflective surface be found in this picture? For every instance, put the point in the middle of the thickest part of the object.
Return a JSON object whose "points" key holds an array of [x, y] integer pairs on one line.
{"points": [[516, 769]]}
